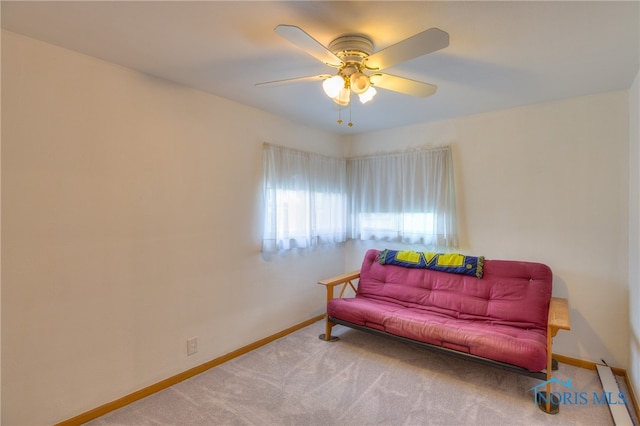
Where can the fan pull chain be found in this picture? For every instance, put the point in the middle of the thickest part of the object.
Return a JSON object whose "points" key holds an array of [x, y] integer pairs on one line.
{"points": [[350, 124]]}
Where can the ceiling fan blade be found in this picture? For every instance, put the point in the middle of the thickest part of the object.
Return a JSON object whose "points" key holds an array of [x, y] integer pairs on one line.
{"points": [[307, 43], [320, 77], [420, 44], [402, 85]]}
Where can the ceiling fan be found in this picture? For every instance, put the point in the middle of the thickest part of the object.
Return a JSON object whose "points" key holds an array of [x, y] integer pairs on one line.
{"points": [[358, 66]]}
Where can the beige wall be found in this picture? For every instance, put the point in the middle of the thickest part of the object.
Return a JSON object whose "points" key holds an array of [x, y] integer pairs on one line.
{"points": [[545, 183], [0, 232], [130, 223], [634, 234]]}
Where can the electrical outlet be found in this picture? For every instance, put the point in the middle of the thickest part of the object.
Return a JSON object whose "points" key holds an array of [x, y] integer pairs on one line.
{"points": [[192, 346]]}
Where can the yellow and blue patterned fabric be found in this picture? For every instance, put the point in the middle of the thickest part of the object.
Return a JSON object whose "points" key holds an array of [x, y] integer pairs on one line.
{"points": [[454, 263]]}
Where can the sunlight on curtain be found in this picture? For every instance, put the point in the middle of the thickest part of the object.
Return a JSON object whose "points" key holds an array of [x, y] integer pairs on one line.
{"points": [[305, 199], [407, 197]]}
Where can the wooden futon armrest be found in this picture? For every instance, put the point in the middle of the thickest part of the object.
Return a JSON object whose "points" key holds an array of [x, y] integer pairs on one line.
{"points": [[558, 315], [330, 283], [344, 279], [558, 319]]}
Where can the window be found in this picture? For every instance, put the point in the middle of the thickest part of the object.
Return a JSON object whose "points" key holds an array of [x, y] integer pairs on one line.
{"points": [[312, 200], [305, 199], [390, 223], [407, 197]]}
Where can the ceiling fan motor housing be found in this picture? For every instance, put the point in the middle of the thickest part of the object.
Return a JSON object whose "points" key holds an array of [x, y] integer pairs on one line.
{"points": [[352, 49]]}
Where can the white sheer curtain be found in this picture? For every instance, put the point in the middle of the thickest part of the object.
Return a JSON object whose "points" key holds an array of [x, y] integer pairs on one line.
{"points": [[407, 197], [305, 199]]}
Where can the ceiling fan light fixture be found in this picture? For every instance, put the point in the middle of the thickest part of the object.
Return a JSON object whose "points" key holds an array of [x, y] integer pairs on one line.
{"points": [[332, 86], [368, 95], [359, 82]]}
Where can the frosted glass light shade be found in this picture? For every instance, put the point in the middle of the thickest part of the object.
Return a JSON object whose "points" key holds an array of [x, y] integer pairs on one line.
{"points": [[343, 97], [333, 85], [359, 82], [368, 95]]}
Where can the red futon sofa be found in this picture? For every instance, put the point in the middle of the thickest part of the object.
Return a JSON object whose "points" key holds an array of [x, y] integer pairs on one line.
{"points": [[506, 318]]}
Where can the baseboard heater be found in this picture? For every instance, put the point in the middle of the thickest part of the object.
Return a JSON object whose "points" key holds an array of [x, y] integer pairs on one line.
{"points": [[619, 411]]}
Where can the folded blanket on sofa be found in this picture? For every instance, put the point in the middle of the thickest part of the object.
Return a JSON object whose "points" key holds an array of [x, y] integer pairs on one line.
{"points": [[454, 263]]}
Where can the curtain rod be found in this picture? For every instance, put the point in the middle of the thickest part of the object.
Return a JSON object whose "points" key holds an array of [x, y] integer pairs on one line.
{"points": [[401, 152]]}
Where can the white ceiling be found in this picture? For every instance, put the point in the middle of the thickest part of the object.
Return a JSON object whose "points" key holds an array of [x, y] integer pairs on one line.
{"points": [[501, 54]]}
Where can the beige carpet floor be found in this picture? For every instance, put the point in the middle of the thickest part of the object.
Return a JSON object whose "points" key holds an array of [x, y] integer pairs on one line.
{"points": [[360, 380]]}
